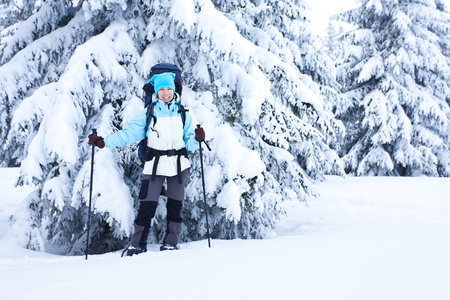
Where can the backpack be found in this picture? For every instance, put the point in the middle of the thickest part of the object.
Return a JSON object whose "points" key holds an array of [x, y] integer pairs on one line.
{"points": [[145, 153]]}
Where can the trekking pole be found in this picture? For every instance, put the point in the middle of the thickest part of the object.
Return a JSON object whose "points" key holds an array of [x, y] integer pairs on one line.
{"points": [[94, 132], [204, 190]]}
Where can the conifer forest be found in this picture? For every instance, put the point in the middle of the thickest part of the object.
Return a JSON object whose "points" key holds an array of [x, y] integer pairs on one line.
{"points": [[281, 105]]}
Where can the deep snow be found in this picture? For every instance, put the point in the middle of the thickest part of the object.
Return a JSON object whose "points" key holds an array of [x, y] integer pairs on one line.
{"points": [[363, 238]]}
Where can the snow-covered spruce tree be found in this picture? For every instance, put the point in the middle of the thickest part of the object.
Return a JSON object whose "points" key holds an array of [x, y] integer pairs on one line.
{"points": [[334, 33], [283, 28], [55, 86], [248, 98], [43, 62], [396, 69]]}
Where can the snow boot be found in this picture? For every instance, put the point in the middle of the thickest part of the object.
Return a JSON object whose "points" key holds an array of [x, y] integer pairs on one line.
{"points": [[134, 250], [166, 246]]}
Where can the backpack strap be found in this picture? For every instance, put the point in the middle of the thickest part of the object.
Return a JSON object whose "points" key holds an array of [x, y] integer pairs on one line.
{"points": [[150, 116], [182, 110]]}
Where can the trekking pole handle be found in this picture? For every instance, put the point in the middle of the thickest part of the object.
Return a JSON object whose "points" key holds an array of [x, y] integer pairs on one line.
{"points": [[207, 146], [94, 132]]}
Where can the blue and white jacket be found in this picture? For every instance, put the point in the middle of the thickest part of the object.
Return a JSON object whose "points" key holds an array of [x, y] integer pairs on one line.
{"points": [[167, 134]]}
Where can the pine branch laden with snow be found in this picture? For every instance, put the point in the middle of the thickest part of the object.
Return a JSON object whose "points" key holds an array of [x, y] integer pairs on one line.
{"points": [[44, 20], [28, 75], [246, 83], [395, 66], [12, 13]]}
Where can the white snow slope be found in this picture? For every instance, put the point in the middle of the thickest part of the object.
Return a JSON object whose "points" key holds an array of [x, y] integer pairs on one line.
{"points": [[364, 238]]}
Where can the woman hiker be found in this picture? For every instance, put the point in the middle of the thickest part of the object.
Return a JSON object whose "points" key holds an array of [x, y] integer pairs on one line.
{"points": [[168, 141]]}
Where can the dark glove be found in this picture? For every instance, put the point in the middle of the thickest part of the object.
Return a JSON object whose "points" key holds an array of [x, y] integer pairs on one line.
{"points": [[96, 140], [199, 134]]}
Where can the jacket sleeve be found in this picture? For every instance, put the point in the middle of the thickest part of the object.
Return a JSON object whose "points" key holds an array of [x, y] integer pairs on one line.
{"points": [[132, 133], [189, 134]]}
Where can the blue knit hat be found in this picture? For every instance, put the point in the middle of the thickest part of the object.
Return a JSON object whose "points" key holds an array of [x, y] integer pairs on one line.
{"points": [[163, 80]]}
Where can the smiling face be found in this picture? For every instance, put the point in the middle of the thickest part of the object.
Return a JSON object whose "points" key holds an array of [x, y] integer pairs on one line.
{"points": [[165, 94]]}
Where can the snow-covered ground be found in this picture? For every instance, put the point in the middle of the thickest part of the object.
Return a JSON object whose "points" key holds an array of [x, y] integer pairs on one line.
{"points": [[364, 238]]}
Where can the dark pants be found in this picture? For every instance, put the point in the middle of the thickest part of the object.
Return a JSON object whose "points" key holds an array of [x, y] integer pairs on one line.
{"points": [[149, 196]]}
